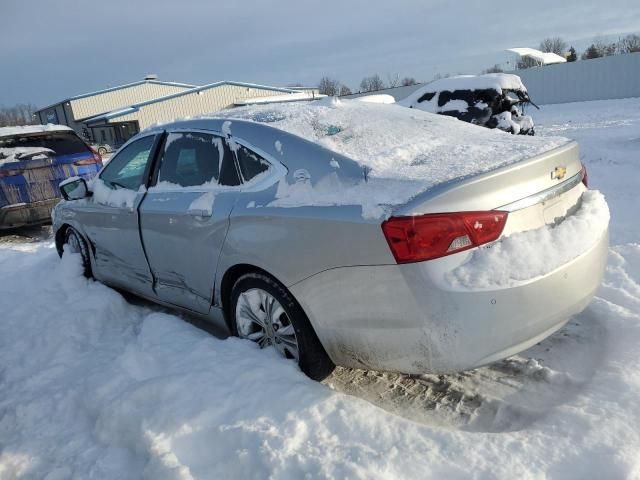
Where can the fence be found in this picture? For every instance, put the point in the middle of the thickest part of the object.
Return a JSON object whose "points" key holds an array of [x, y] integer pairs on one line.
{"points": [[617, 76]]}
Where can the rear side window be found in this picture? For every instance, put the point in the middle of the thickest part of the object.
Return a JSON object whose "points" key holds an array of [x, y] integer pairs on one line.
{"points": [[63, 143], [251, 164], [427, 97], [191, 159]]}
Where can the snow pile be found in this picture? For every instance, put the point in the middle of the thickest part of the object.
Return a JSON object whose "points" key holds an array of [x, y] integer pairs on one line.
{"points": [[92, 386], [519, 258], [115, 197], [332, 191], [24, 129], [378, 98], [394, 142]]}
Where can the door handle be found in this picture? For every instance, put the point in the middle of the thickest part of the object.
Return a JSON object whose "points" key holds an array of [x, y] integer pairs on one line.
{"points": [[199, 212]]}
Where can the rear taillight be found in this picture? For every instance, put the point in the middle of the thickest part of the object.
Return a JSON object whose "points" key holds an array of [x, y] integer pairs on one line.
{"points": [[425, 237], [585, 177], [10, 173], [95, 158]]}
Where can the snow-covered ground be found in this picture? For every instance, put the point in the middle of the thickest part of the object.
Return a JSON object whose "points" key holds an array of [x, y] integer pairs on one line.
{"points": [[95, 386]]}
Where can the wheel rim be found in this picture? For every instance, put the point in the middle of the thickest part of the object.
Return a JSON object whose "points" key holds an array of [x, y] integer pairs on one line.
{"points": [[261, 318], [74, 243]]}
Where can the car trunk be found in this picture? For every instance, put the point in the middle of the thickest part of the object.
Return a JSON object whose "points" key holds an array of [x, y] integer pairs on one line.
{"points": [[535, 192]]}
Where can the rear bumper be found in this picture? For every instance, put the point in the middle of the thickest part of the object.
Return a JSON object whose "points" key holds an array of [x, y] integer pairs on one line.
{"points": [[394, 317], [13, 216]]}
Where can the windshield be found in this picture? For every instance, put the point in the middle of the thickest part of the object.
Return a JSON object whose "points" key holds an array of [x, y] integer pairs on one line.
{"points": [[62, 143]]}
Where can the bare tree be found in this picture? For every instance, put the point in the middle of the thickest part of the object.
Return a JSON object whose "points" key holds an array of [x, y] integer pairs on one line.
{"points": [[19, 114], [494, 69], [554, 45], [371, 84], [344, 90], [393, 80], [406, 81], [329, 86], [526, 62], [629, 44], [439, 76]]}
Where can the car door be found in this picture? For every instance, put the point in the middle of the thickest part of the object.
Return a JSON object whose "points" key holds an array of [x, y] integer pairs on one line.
{"points": [[185, 215], [111, 217]]}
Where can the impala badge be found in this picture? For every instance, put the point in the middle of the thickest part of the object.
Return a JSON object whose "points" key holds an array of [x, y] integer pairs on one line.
{"points": [[558, 173]]}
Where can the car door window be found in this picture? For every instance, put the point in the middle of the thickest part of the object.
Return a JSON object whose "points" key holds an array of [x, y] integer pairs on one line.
{"points": [[127, 169], [192, 159], [251, 164]]}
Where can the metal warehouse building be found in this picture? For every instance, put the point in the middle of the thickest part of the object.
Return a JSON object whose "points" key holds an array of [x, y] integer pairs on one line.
{"points": [[115, 114], [75, 110]]}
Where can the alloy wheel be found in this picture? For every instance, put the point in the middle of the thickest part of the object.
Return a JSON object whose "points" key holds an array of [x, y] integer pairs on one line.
{"points": [[261, 318]]}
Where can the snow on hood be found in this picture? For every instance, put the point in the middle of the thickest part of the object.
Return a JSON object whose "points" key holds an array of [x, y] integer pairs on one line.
{"points": [[394, 142], [24, 129]]}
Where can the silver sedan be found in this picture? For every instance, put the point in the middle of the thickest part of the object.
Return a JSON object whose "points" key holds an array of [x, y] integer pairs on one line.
{"points": [[244, 224]]}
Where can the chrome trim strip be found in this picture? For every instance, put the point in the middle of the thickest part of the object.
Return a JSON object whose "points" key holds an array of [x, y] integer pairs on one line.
{"points": [[544, 195]]}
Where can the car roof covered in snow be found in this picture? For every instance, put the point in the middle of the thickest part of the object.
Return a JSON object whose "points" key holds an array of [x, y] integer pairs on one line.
{"points": [[29, 129], [494, 81], [412, 149], [397, 142]]}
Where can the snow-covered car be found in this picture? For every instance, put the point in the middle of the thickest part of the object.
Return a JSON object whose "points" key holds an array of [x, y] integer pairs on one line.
{"points": [[493, 100], [33, 161], [346, 232]]}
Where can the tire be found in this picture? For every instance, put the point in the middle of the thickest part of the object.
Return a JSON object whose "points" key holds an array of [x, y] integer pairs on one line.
{"points": [[102, 151], [74, 243], [251, 294]]}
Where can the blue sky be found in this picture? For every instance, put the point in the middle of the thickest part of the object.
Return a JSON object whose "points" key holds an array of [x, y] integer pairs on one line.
{"points": [[50, 50]]}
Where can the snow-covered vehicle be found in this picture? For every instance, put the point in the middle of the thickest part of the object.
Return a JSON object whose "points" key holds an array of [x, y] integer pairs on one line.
{"points": [[33, 161], [346, 232], [493, 100]]}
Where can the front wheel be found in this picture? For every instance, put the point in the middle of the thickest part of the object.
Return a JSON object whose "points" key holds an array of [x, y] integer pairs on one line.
{"points": [[263, 311], [74, 243]]}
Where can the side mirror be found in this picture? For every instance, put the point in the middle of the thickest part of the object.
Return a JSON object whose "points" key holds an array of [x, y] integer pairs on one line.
{"points": [[74, 188]]}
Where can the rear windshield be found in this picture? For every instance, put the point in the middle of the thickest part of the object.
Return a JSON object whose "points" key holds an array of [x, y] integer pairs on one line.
{"points": [[63, 143]]}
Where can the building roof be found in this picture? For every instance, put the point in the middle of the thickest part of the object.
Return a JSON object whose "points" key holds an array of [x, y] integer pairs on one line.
{"points": [[119, 87], [292, 97], [135, 107]]}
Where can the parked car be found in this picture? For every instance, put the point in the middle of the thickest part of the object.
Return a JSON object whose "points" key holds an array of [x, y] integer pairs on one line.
{"points": [[334, 232], [493, 100], [33, 161], [101, 148]]}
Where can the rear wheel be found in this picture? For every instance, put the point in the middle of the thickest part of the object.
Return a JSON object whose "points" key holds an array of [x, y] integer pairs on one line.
{"points": [[74, 243], [263, 311], [102, 151]]}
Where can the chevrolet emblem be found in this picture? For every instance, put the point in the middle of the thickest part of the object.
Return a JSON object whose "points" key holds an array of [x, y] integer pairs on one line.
{"points": [[558, 173]]}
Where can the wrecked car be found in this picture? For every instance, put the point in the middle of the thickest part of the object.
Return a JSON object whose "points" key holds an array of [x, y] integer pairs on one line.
{"points": [[350, 233], [494, 100]]}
